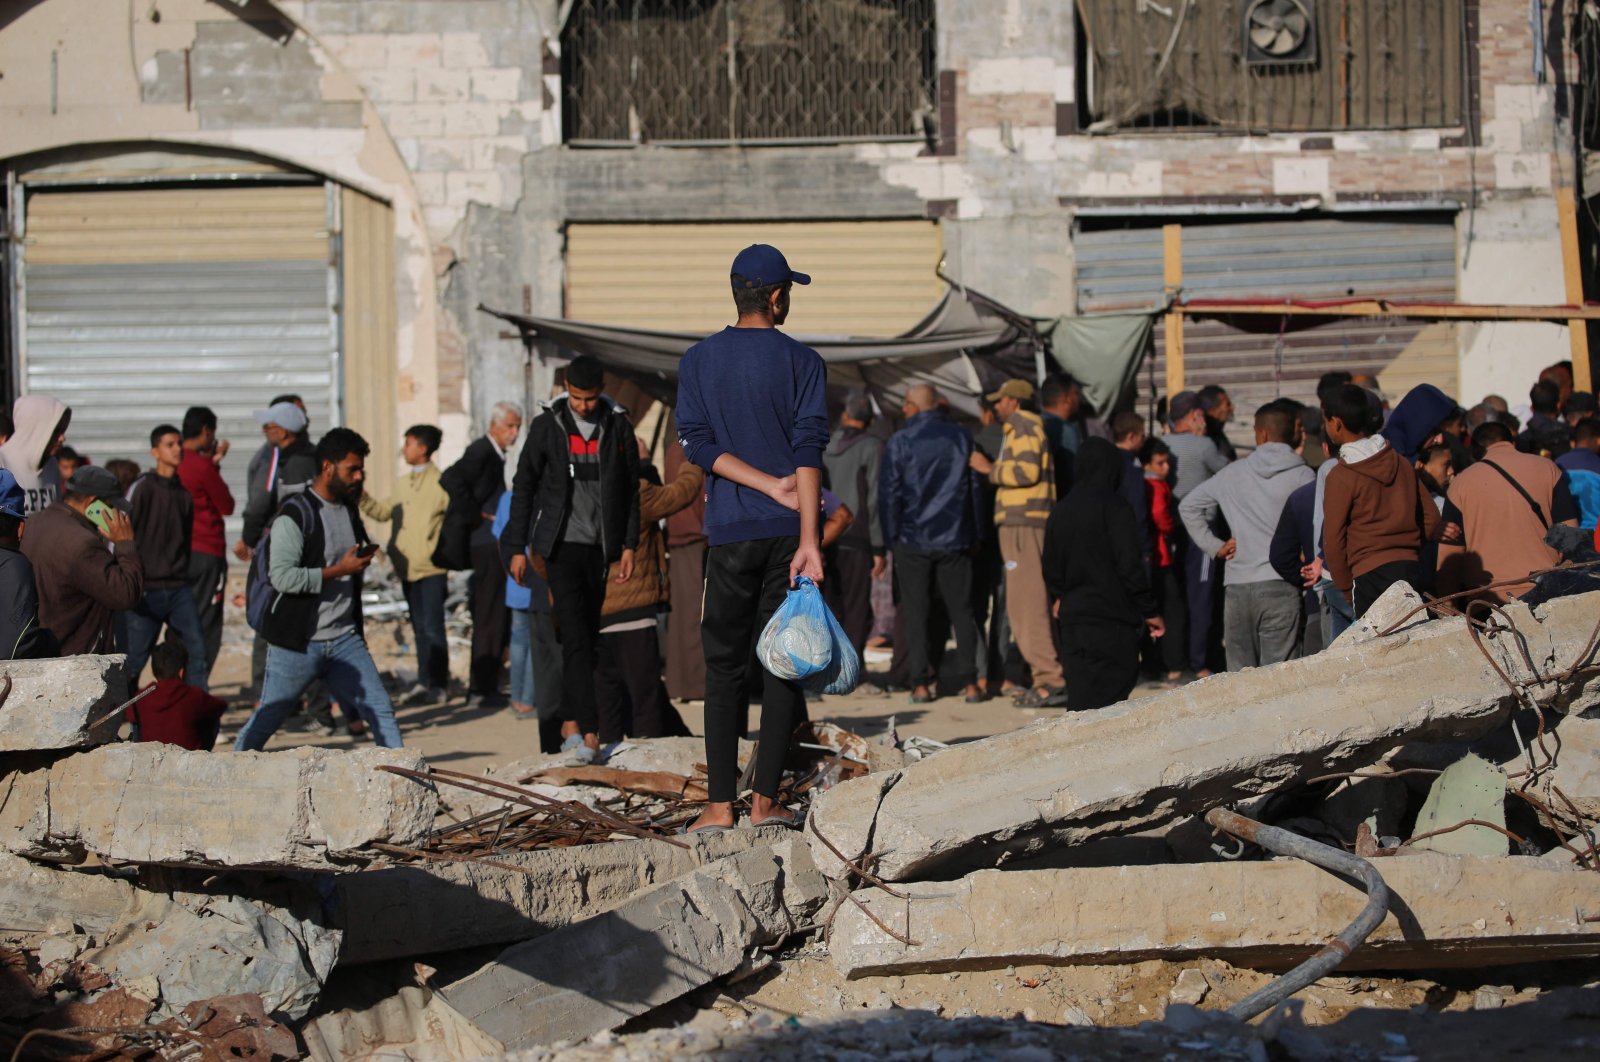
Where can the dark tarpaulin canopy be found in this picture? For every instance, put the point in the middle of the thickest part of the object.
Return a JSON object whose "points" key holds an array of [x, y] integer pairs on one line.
{"points": [[966, 346]]}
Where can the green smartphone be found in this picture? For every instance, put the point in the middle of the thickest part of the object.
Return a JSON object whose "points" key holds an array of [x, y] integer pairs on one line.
{"points": [[99, 514]]}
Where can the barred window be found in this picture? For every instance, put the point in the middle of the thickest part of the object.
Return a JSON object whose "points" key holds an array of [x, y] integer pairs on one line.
{"points": [[1272, 65], [747, 70]]}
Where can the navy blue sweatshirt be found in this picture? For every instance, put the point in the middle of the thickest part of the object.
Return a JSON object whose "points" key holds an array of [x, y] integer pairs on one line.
{"points": [[760, 396]]}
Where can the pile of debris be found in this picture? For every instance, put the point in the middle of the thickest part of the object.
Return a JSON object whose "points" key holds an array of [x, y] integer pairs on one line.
{"points": [[1447, 770]]}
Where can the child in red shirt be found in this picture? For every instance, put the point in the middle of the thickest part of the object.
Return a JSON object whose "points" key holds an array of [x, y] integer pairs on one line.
{"points": [[177, 713], [1165, 575]]}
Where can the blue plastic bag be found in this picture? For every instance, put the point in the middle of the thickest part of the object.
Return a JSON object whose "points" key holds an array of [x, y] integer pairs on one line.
{"points": [[844, 669], [797, 641]]}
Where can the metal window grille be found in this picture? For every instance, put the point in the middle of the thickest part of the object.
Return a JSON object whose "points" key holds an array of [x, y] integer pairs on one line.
{"points": [[1189, 65], [747, 70]]}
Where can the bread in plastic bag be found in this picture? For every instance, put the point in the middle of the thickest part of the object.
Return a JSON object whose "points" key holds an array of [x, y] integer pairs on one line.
{"points": [[797, 641], [844, 669]]}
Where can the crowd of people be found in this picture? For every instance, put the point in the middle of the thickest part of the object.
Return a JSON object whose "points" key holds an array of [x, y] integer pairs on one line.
{"points": [[1044, 554]]}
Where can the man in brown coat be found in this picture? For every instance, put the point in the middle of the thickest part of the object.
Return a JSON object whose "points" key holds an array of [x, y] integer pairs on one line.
{"points": [[82, 584], [1504, 506], [630, 695]]}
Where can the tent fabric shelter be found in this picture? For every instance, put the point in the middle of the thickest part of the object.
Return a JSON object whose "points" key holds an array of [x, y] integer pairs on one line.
{"points": [[967, 345]]}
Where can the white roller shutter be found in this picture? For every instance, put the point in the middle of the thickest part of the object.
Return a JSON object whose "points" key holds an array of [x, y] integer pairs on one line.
{"points": [[140, 302]]}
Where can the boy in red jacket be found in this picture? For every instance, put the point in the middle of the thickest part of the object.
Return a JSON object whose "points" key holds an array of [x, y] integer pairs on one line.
{"points": [[1376, 512], [1165, 575], [177, 713]]}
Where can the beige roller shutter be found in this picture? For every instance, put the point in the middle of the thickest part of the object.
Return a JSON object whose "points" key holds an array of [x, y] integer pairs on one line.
{"points": [[140, 302], [245, 223], [869, 278]]}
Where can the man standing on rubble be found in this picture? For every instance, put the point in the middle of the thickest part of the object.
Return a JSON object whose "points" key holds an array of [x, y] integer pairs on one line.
{"points": [[1261, 612], [319, 550], [852, 462], [575, 503], [752, 413]]}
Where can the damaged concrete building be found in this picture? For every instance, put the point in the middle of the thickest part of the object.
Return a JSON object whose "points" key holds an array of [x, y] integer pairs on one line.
{"points": [[325, 191]]}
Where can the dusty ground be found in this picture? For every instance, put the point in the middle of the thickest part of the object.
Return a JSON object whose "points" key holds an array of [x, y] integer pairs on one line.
{"points": [[469, 739]]}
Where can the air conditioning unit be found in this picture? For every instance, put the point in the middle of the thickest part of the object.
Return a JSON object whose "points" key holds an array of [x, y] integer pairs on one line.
{"points": [[1279, 32]]}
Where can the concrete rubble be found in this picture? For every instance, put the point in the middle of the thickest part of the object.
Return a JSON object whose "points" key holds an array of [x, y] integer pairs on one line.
{"points": [[55, 704], [400, 911], [1225, 738], [302, 809], [1448, 910], [661, 943]]}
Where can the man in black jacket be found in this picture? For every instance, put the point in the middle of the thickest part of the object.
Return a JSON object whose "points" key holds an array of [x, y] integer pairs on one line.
{"points": [[575, 503], [163, 526], [474, 485], [319, 549], [926, 499]]}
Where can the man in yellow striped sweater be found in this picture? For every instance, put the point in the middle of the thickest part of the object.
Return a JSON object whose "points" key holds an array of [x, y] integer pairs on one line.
{"points": [[1025, 476]]}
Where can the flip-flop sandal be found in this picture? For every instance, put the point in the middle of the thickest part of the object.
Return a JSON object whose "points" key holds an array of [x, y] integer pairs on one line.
{"points": [[797, 824], [922, 698], [684, 831]]}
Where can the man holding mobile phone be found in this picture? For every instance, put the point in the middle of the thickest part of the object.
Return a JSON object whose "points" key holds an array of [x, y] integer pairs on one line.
{"points": [[82, 584], [318, 549]]}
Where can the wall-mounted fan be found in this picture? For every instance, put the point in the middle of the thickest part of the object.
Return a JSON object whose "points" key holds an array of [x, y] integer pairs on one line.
{"points": [[1280, 32]]}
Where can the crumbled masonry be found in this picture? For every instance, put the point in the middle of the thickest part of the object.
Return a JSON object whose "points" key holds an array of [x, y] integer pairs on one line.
{"points": [[1235, 735]]}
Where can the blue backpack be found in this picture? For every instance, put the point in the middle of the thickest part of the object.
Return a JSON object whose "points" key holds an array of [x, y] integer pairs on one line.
{"points": [[259, 596]]}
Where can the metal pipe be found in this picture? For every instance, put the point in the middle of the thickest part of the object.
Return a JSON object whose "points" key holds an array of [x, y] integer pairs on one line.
{"points": [[1282, 842]]}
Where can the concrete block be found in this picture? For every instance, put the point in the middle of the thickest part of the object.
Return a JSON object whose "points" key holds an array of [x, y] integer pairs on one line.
{"points": [[663, 942], [305, 808], [420, 909], [472, 119], [36, 900], [497, 83], [53, 703], [463, 51], [1138, 764], [443, 86], [1447, 911]]}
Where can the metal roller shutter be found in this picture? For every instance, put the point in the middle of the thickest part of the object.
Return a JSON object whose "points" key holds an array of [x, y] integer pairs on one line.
{"points": [[869, 278], [138, 303], [1258, 358]]}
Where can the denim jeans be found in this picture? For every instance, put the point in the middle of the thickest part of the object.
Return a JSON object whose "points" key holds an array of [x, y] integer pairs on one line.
{"points": [[170, 606], [1337, 615], [522, 681], [345, 667], [425, 598]]}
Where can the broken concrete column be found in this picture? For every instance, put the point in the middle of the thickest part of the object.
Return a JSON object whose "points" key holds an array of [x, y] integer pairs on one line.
{"points": [[663, 942], [54, 704], [419, 909], [1446, 911], [305, 808], [1146, 762], [1399, 602]]}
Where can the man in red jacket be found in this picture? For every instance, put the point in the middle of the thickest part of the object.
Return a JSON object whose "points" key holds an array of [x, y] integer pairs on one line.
{"points": [[208, 560]]}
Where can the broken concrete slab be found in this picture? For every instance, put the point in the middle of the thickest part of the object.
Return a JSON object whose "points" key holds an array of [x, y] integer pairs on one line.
{"points": [[307, 808], [665, 941], [1447, 911], [420, 909], [37, 900], [193, 946], [1142, 763], [674, 755], [1470, 788], [1399, 602], [1576, 744], [54, 704]]}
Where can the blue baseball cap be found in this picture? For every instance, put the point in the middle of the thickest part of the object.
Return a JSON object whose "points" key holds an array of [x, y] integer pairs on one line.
{"points": [[761, 265], [13, 502]]}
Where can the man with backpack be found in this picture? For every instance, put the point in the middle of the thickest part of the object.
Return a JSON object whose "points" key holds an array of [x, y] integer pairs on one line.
{"points": [[309, 610]]}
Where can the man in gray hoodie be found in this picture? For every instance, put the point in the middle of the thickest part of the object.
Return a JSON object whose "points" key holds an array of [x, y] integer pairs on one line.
{"points": [[1261, 613]]}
